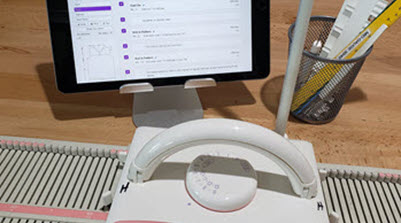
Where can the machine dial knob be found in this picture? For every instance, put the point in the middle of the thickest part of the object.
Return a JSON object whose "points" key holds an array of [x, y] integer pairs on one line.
{"points": [[221, 183]]}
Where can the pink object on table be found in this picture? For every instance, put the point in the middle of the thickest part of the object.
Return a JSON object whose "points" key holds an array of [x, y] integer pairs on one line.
{"points": [[138, 222], [68, 213]]}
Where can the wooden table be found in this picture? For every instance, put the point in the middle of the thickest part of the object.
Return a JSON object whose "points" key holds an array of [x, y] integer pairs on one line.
{"points": [[367, 132]]}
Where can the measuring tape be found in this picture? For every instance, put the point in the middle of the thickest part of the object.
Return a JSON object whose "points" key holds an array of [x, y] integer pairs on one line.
{"points": [[357, 47]]}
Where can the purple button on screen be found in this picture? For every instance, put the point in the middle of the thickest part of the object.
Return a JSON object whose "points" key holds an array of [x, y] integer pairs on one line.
{"points": [[127, 72], [122, 19], [125, 46], [126, 57], [121, 3], [123, 30], [92, 9]]}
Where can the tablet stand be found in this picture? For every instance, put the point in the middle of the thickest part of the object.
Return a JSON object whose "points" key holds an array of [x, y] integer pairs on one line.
{"points": [[166, 106]]}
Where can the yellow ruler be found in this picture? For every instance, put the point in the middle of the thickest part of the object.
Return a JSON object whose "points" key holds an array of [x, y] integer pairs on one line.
{"points": [[388, 17]]}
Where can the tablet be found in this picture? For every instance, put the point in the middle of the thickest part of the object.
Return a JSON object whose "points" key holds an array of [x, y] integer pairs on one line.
{"points": [[104, 44]]}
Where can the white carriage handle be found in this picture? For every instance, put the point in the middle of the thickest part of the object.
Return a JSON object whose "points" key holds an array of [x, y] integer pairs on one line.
{"points": [[257, 138]]}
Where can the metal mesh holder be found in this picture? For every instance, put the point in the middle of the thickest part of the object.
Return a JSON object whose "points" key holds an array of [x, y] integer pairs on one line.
{"points": [[322, 84]]}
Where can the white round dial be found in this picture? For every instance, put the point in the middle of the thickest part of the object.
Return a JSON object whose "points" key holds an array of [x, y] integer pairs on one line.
{"points": [[221, 183]]}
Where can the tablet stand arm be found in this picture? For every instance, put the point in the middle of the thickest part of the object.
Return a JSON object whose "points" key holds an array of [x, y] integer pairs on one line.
{"points": [[166, 106]]}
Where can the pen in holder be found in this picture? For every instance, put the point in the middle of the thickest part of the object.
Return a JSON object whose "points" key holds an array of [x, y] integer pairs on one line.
{"points": [[322, 83]]}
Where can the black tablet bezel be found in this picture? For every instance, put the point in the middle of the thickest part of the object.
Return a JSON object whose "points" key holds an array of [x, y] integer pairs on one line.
{"points": [[64, 59]]}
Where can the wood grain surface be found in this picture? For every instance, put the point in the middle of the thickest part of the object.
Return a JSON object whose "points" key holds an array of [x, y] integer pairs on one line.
{"points": [[367, 131]]}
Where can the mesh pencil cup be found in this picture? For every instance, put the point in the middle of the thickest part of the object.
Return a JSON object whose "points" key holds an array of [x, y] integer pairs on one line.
{"points": [[322, 83]]}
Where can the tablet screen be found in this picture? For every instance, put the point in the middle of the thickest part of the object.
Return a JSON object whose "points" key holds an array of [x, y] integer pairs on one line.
{"points": [[120, 40]]}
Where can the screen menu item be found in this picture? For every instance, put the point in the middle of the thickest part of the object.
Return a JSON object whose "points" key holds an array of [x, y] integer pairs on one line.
{"points": [[121, 40]]}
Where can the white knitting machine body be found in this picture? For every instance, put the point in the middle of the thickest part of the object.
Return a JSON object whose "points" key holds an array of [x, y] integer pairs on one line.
{"points": [[205, 171]]}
